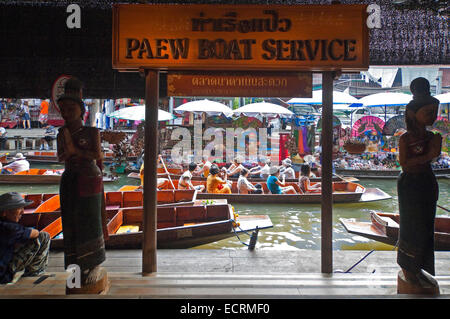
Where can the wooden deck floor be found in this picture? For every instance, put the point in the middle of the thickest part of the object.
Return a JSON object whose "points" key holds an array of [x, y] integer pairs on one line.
{"points": [[198, 273]]}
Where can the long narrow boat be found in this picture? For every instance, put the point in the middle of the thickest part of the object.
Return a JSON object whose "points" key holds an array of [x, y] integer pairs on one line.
{"points": [[343, 192], [385, 174], [115, 200], [40, 176], [177, 227], [336, 178], [384, 227], [51, 157]]}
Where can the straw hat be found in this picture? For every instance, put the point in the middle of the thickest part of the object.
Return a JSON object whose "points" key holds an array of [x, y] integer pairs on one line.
{"points": [[12, 200], [18, 156]]}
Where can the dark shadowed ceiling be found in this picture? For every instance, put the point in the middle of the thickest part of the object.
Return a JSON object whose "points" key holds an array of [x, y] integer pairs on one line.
{"points": [[36, 46]]}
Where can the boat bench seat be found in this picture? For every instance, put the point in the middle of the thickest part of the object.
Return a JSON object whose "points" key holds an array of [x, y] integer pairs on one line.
{"points": [[37, 200], [132, 199], [217, 212], [113, 198], [166, 217], [165, 196], [190, 214], [183, 195]]}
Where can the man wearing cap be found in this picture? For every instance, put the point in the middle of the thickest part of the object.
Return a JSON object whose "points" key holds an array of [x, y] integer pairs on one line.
{"points": [[20, 164], [286, 170], [21, 248]]}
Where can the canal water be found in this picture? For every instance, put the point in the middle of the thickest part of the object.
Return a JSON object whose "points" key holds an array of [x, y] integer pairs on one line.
{"points": [[295, 226]]}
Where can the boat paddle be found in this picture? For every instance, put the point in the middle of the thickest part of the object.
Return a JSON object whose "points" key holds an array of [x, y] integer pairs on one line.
{"points": [[443, 208], [165, 169]]}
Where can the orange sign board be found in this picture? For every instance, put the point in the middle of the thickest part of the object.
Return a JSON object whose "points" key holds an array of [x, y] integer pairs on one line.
{"points": [[255, 84], [240, 37]]}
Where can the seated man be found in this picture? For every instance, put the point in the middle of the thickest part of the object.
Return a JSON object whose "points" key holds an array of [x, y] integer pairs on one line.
{"points": [[235, 168], [20, 164], [21, 248], [185, 179], [286, 170], [245, 187], [275, 186], [49, 135]]}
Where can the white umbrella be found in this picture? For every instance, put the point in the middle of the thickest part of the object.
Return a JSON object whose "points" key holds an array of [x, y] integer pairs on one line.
{"points": [[443, 98], [137, 113], [204, 106], [385, 99], [338, 98], [263, 109]]}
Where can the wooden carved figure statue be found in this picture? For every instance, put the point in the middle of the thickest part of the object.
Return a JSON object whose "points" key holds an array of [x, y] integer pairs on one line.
{"points": [[81, 193], [418, 193]]}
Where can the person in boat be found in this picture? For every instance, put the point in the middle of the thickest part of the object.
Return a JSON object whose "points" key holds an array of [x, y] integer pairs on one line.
{"points": [[304, 180], [22, 249], [235, 168], [262, 171], [185, 181], [215, 184], [49, 135], [275, 186], [205, 167], [81, 192], [19, 164], [417, 186], [286, 170], [161, 183], [245, 187]]}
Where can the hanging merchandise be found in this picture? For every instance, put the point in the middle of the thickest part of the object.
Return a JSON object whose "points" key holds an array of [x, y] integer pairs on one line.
{"points": [[284, 150]]}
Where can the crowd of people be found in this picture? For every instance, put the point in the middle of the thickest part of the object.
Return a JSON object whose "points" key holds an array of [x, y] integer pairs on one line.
{"points": [[218, 179], [19, 112], [382, 161]]}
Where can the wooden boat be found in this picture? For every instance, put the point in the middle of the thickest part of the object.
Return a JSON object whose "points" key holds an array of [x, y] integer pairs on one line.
{"points": [[385, 174], [40, 176], [177, 227], [52, 157], [115, 200], [343, 192], [384, 227], [336, 178]]}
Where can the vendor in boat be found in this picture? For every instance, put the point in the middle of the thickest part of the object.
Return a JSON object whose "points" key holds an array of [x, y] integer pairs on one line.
{"points": [[275, 186], [245, 187], [286, 170], [304, 181], [81, 192], [235, 168], [215, 184], [19, 164], [161, 183], [185, 181], [22, 249], [417, 187]]}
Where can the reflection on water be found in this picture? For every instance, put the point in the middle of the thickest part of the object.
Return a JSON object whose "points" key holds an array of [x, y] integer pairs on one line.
{"points": [[295, 226]]}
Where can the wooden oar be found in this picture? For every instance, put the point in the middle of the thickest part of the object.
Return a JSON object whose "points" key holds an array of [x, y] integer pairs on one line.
{"points": [[447, 210], [167, 172]]}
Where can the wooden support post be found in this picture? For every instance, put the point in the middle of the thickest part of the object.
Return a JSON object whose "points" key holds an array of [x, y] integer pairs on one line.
{"points": [[150, 176], [327, 172]]}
